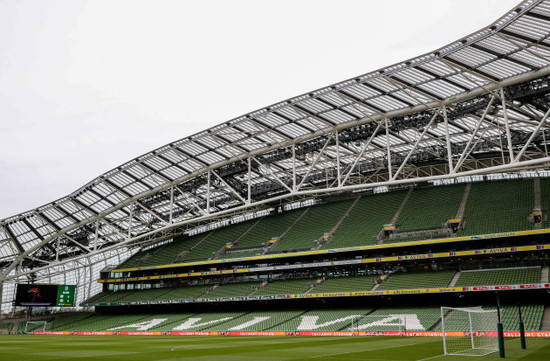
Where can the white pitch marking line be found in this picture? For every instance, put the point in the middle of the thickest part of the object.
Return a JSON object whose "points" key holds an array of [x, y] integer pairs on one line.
{"points": [[430, 358]]}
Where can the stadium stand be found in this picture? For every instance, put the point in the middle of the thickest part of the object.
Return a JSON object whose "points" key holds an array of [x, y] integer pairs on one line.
{"points": [[401, 281], [268, 227], [366, 219], [333, 319], [285, 287], [268, 321], [499, 276], [313, 224], [344, 284], [545, 200], [6, 328], [362, 224], [413, 318], [217, 240], [531, 314], [498, 206], [430, 208], [231, 290], [322, 320], [168, 253]]}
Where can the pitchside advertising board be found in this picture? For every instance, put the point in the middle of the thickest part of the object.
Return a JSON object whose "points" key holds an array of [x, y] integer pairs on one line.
{"points": [[45, 295]]}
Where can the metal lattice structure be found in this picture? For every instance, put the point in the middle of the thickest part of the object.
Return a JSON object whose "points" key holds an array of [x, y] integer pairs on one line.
{"points": [[479, 105]]}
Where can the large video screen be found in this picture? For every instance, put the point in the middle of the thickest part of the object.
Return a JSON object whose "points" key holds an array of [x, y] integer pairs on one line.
{"points": [[45, 295]]}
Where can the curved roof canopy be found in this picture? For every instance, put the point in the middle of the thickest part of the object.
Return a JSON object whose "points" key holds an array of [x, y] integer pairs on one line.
{"points": [[475, 106]]}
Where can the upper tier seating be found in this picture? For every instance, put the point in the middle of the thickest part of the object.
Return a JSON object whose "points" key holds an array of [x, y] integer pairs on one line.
{"points": [[269, 227], [315, 222], [430, 208], [498, 206], [491, 207], [545, 200], [366, 219]]}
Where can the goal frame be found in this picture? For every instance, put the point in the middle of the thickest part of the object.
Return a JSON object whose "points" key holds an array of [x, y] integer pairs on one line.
{"points": [[43, 323], [476, 344]]}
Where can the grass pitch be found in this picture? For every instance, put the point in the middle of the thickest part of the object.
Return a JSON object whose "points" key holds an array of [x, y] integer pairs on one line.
{"points": [[172, 348]]}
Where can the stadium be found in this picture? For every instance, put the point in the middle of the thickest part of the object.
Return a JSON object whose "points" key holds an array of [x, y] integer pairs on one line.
{"points": [[408, 203]]}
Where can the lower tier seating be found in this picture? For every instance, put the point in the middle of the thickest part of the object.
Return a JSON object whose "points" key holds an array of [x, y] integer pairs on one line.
{"points": [[333, 319], [505, 276], [401, 281]]}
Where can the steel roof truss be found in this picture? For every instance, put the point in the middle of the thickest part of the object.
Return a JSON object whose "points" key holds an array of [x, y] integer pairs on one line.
{"points": [[317, 157], [414, 148], [268, 174], [533, 134], [229, 187], [467, 150], [13, 239]]}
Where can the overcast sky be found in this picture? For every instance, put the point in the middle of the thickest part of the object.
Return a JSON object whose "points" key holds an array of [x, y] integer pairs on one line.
{"points": [[88, 85]]}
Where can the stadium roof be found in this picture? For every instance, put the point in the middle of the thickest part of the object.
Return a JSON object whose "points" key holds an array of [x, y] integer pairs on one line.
{"points": [[475, 106]]}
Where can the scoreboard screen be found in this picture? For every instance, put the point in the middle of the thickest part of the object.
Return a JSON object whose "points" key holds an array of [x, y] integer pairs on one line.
{"points": [[45, 295]]}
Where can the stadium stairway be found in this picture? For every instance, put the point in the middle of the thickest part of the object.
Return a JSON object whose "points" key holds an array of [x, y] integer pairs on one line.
{"points": [[454, 279], [460, 212], [544, 275], [545, 324], [396, 215], [339, 222]]}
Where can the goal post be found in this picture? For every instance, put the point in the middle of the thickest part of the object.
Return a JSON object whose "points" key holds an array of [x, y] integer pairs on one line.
{"points": [[32, 326], [379, 323], [469, 331]]}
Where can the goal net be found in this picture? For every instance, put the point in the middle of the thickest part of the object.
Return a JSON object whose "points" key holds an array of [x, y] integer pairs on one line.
{"points": [[35, 326], [379, 323], [469, 331]]}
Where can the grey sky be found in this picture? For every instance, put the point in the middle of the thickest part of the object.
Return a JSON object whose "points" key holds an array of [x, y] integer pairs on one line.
{"points": [[88, 85]]}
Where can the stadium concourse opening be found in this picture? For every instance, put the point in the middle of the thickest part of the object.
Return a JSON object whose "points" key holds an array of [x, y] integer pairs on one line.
{"points": [[357, 209]]}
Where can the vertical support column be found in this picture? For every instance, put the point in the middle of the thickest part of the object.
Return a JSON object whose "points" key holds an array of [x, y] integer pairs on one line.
{"points": [[90, 279], [448, 140], [338, 175], [294, 167], [57, 249], [1, 295], [130, 222], [249, 181], [171, 205], [507, 126], [390, 173], [208, 193], [96, 234]]}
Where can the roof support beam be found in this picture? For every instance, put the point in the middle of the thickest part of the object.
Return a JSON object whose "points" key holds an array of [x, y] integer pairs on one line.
{"points": [[533, 135], [467, 150]]}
